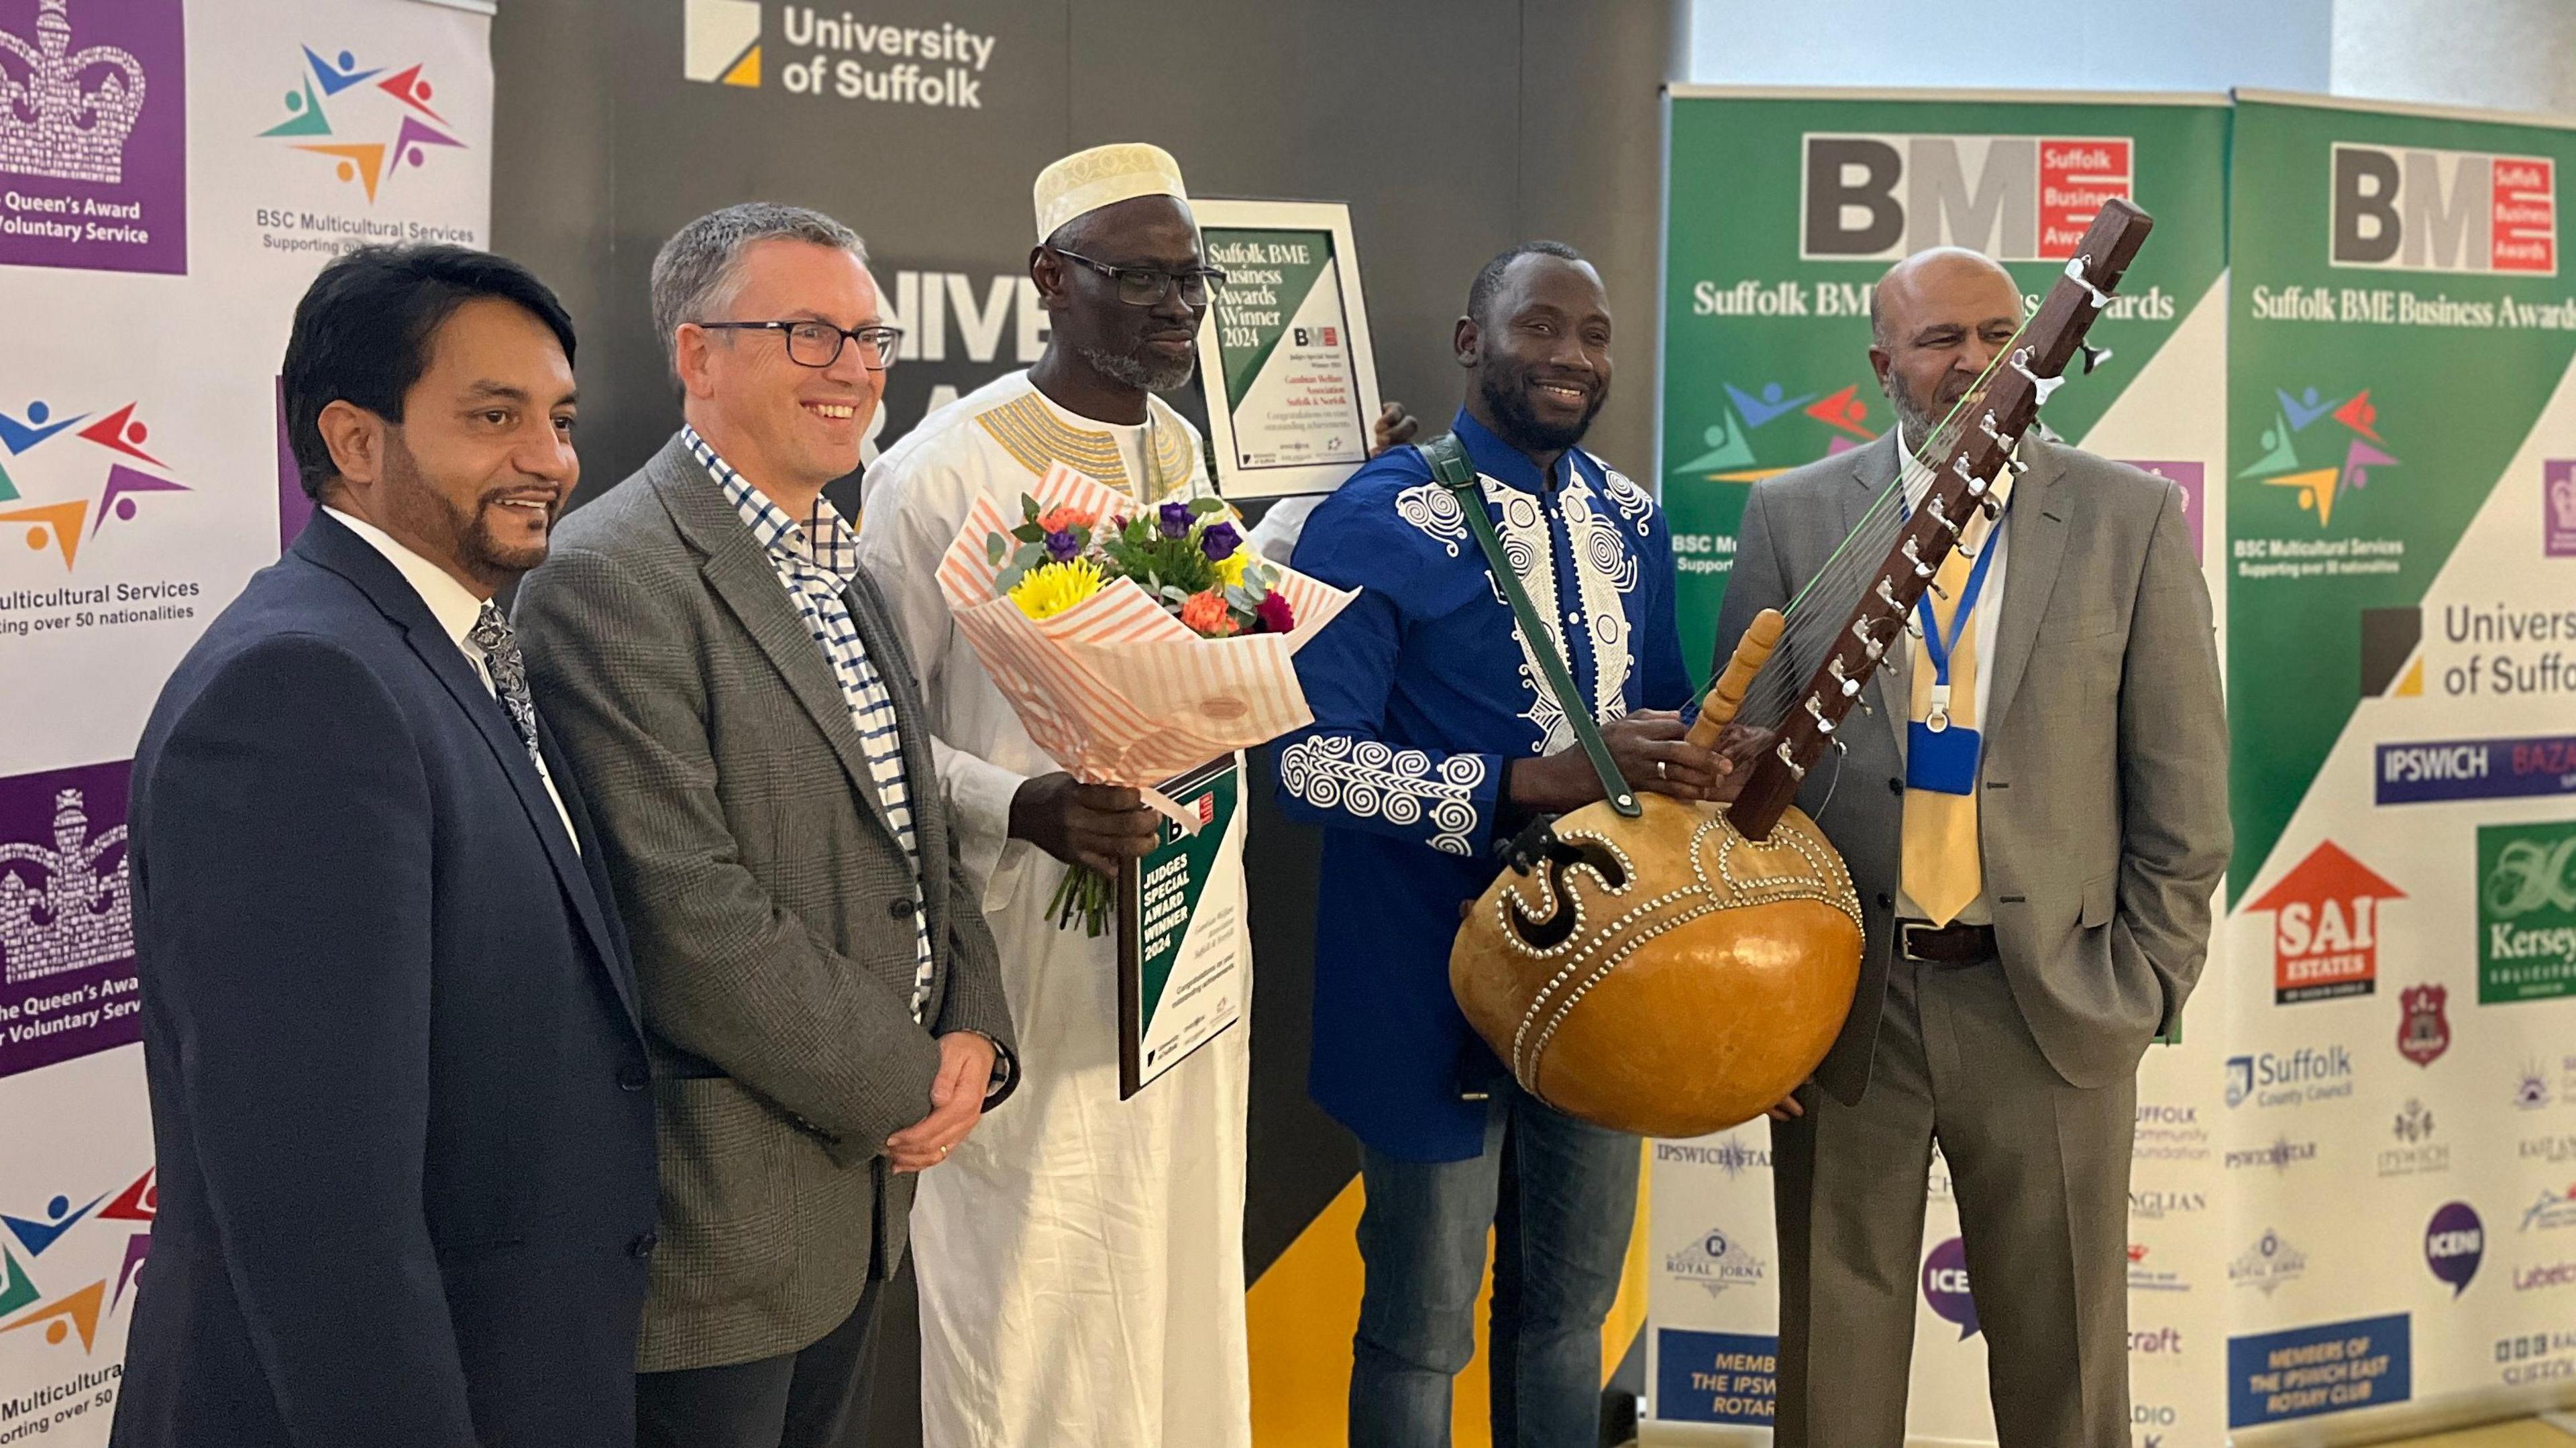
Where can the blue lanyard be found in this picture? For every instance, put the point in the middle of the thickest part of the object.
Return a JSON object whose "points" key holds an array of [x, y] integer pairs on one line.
{"points": [[1935, 646]]}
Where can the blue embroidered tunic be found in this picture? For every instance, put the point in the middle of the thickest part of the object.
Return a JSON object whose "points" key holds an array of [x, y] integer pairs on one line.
{"points": [[1423, 689]]}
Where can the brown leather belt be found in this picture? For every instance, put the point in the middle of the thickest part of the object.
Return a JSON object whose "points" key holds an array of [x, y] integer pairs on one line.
{"points": [[1945, 944]]}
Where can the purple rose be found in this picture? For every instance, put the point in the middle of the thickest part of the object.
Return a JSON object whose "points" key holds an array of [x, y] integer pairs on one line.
{"points": [[1219, 542], [1273, 613], [1062, 546], [1176, 520]]}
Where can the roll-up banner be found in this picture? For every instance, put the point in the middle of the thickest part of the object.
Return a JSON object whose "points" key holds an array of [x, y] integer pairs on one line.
{"points": [[1783, 209], [168, 189]]}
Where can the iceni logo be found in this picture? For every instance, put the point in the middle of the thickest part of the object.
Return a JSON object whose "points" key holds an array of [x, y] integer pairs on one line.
{"points": [[64, 525], [2015, 198], [2418, 209], [2454, 1242], [417, 127], [1945, 1286]]}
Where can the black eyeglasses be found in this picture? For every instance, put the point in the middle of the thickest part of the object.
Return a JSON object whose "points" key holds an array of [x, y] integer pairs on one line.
{"points": [[818, 344], [1143, 286]]}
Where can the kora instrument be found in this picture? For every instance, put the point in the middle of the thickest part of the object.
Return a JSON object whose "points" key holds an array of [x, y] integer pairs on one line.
{"points": [[1673, 968]]}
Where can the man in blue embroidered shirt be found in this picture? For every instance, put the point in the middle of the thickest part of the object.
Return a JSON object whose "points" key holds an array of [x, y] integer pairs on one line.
{"points": [[1435, 737]]}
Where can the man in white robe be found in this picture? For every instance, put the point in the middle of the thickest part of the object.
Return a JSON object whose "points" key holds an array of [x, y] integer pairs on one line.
{"points": [[1080, 1258]]}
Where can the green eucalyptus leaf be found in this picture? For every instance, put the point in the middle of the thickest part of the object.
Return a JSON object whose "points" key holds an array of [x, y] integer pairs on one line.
{"points": [[1028, 508], [1204, 506], [996, 548]]}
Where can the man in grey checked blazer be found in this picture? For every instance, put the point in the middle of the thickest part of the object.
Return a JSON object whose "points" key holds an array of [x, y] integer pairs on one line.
{"points": [[2010, 1030], [821, 996]]}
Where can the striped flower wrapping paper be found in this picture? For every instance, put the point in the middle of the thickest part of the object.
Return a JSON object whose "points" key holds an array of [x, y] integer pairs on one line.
{"points": [[1115, 689]]}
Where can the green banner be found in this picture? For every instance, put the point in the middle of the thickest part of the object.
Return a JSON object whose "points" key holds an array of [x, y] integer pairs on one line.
{"points": [[1784, 210], [2399, 325]]}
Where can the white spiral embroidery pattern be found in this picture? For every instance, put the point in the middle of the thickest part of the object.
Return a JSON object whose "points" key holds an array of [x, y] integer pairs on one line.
{"points": [[1368, 778], [1433, 509]]}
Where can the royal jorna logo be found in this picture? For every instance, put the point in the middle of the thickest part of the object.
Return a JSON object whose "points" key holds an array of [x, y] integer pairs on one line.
{"points": [[2015, 198], [2418, 209]]}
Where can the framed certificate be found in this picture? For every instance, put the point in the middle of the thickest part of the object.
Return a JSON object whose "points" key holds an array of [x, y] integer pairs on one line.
{"points": [[1290, 378], [1182, 978]]}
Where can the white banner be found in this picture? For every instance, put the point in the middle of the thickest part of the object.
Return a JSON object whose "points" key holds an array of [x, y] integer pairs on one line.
{"points": [[185, 175]]}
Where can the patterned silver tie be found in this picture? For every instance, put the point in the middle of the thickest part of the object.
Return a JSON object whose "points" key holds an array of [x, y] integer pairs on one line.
{"points": [[500, 645]]}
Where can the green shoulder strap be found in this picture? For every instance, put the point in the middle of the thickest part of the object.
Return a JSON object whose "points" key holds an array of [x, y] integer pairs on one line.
{"points": [[1448, 459]]}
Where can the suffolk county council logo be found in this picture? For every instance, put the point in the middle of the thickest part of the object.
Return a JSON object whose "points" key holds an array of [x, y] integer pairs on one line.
{"points": [[61, 494], [1759, 432], [2316, 462], [722, 43], [366, 138], [33, 1248], [2325, 926], [2423, 1033]]}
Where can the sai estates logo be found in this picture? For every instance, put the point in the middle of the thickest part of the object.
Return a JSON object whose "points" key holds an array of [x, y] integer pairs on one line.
{"points": [[27, 1257], [2419, 209], [1715, 1260], [722, 44], [2325, 926], [326, 86], [2015, 198], [1744, 446], [81, 490], [2423, 1032], [2301, 457], [2526, 912]]}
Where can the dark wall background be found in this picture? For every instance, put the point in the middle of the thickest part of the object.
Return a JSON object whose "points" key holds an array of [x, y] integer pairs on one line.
{"points": [[1452, 127]]}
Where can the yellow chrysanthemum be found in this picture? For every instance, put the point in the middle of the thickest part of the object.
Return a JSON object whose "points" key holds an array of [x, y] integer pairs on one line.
{"points": [[1051, 588], [1229, 569]]}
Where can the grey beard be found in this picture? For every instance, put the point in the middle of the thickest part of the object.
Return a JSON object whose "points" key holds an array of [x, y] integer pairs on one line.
{"points": [[1917, 427], [1136, 372]]}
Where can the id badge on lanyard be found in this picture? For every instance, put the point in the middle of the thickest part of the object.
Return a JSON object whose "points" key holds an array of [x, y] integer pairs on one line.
{"points": [[1941, 756]]}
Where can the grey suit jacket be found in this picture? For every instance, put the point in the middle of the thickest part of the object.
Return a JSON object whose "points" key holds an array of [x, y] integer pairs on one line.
{"points": [[2102, 806], [769, 901]]}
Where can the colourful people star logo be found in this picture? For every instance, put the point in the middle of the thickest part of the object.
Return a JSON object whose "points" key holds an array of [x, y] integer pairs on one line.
{"points": [[66, 524], [1733, 454], [324, 84], [24, 1306], [2289, 446]]}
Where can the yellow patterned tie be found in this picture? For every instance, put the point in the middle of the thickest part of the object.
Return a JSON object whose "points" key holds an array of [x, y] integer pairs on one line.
{"points": [[1942, 868]]}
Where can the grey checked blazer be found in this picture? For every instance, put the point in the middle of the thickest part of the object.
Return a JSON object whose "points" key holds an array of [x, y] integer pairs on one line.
{"points": [[769, 902], [2102, 806]]}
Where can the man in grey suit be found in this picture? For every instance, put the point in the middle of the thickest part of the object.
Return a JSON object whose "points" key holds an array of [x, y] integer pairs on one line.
{"points": [[821, 996], [2031, 927]]}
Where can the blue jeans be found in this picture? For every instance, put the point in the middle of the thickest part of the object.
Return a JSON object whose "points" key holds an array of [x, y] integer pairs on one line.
{"points": [[1561, 1198]]}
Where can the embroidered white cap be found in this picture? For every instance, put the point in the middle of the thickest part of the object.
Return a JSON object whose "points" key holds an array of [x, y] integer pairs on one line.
{"points": [[1103, 176]]}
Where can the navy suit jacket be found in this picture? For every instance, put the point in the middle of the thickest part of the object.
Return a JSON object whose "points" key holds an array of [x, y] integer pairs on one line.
{"points": [[398, 1083]]}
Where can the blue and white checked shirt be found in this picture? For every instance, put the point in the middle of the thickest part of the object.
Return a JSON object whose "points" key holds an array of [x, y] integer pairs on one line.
{"points": [[816, 562]]}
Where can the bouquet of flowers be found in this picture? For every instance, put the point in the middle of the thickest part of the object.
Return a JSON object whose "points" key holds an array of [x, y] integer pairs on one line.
{"points": [[1135, 643]]}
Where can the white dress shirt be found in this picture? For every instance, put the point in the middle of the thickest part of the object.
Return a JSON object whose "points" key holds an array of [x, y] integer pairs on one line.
{"points": [[457, 611]]}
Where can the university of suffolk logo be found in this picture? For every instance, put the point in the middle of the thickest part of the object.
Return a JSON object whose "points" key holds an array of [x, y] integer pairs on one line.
{"points": [[2296, 444], [63, 908], [68, 117], [2325, 926], [722, 43], [1733, 454], [26, 1252], [66, 524], [2423, 1032], [325, 83]]}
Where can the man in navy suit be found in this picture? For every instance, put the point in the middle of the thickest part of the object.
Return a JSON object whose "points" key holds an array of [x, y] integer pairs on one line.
{"points": [[399, 1093]]}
